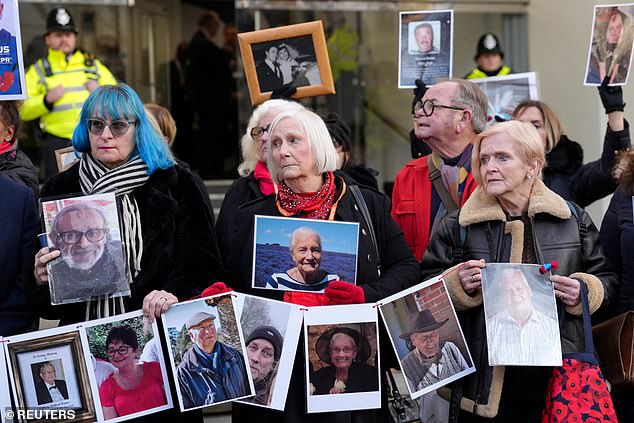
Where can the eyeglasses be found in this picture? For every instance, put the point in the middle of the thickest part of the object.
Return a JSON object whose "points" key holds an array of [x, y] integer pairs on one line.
{"points": [[73, 237], [117, 127], [208, 328], [121, 350], [345, 350], [258, 130], [428, 107]]}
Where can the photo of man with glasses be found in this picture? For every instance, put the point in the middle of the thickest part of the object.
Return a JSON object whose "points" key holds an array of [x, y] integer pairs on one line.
{"points": [[210, 371], [91, 263]]}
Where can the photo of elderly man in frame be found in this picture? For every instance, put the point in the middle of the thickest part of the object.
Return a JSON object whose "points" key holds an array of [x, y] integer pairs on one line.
{"points": [[207, 352], [294, 254], [521, 316], [91, 264], [425, 47], [610, 51], [48, 370]]}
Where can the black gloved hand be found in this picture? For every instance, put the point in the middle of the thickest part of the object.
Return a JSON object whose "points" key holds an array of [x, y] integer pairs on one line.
{"points": [[418, 148], [611, 96], [418, 92], [283, 92]]}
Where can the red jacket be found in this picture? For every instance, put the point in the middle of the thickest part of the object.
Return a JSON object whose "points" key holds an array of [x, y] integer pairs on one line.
{"points": [[411, 203]]}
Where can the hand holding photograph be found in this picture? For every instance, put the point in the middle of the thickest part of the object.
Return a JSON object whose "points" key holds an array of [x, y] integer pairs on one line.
{"points": [[288, 56]]}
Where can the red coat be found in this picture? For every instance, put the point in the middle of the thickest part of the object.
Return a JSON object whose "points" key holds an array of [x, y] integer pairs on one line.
{"points": [[411, 203]]}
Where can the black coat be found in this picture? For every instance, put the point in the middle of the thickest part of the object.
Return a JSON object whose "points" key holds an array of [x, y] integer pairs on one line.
{"points": [[581, 183], [617, 237], [557, 235], [180, 254], [20, 225], [17, 166], [43, 394], [241, 191]]}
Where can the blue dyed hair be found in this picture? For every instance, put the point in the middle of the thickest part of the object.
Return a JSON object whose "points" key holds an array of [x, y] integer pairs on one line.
{"points": [[121, 102]]}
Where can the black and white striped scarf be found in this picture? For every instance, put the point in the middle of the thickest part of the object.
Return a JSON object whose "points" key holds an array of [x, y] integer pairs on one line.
{"points": [[95, 178]]}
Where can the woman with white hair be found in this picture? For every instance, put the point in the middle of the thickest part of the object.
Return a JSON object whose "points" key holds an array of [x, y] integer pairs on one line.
{"points": [[302, 158]]}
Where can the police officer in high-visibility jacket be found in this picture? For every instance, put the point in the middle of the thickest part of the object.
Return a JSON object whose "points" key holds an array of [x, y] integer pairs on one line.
{"points": [[489, 57], [58, 84]]}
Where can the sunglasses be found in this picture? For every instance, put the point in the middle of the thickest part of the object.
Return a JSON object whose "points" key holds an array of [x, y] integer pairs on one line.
{"points": [[117, 127], [258, 130]]}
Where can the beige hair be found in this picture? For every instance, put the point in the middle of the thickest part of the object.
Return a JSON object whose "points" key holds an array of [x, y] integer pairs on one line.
{"points": [[527, 141], [552, 124], [164, 121]]}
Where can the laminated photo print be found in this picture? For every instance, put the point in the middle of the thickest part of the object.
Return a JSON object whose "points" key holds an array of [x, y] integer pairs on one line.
{"points": [[425, 47], [271, 330], [48, 373], [426, 335], [522, 327], [206, 334], [121, 347], [342, 358], [291, 254], [86, 231], [12, 82], [610, 51], [506, 92]]}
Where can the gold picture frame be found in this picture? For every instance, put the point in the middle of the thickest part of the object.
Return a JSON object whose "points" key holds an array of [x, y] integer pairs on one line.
{"points": [[306, 60], [65, 158], [67, 343]]}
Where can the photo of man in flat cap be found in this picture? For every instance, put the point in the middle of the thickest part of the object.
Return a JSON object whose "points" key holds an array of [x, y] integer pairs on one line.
{"points": [[210, 371], [429, 360]]}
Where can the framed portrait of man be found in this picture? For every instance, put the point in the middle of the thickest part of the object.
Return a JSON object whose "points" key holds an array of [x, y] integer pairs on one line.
{"points": [[292, 254], [284, 57], [127, 344], [425, 47], [197, 331], [342, 358], [271, 330], [427, 337], [48, 371], [610, 51], [522, 327], [86, 231]]}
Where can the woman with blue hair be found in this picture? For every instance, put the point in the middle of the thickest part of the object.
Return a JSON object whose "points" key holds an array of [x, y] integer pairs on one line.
{"points": [[167, 230]]}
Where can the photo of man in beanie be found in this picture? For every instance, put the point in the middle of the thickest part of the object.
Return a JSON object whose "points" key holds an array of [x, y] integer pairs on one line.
{"points": [[264, 347]]}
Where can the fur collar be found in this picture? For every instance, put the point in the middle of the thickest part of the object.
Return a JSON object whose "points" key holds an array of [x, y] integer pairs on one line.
{"points": [[481, 207], [565, 158]]}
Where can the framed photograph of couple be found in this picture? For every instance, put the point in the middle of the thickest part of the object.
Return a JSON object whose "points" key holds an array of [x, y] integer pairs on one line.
{"points": [[422, 324], [85, 229], [292, 254], [48, 370], [284, 57], [522, 325]]}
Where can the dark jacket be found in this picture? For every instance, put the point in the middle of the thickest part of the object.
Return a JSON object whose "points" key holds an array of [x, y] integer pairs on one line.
{"points": [[581, 183], [180, 254], [557, 236], [201, 385], [361, 378], [17, 166], [43, 394], [20, 225], [617, 237], [399, 268], [241, 191]]}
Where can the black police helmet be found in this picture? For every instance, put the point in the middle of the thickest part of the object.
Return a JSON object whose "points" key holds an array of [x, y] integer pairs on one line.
{"points": [[60, 20], [489, 43]]}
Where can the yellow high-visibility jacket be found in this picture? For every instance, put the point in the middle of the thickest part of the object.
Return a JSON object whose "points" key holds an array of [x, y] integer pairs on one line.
{"points": [[54, 70], [477, 73]]}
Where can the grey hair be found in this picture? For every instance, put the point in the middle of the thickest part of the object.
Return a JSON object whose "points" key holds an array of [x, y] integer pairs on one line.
{"points": [[306, 230], [78, 207], [471, 96], [318, 138], [337, 335], [250, 147]]}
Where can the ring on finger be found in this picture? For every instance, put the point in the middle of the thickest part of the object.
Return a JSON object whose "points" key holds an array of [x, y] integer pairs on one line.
{"points": [[164, 299]]}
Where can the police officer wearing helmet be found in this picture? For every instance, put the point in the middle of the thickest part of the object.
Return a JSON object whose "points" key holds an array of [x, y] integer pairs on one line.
{"points": [[58, 84], [489, 57]]}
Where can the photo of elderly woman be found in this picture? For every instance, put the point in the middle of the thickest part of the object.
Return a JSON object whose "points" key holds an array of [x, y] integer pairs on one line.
{"points": [[133, 388], [346, 359], [611, 45], [303, 254]]}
